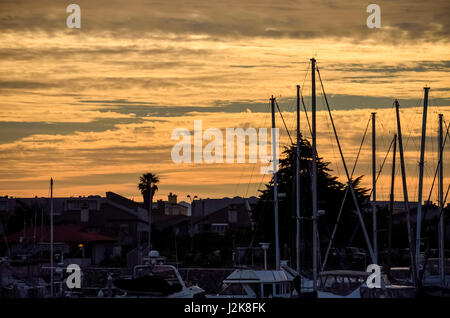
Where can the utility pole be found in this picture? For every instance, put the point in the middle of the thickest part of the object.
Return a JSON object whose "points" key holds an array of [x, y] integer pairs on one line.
{"points": [[374, 190], [441, 205], [391, 207], [314, 170], [297, 182], [150, 199], [405, 197], [51, 237], [421, 166], [275, 185]]}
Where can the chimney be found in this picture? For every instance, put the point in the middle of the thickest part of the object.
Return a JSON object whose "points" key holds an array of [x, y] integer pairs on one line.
{"points": [[232, 214], [172, 198]]}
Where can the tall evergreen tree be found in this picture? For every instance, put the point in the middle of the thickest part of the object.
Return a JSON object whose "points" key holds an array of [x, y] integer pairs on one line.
{"points": [[330, 193]]}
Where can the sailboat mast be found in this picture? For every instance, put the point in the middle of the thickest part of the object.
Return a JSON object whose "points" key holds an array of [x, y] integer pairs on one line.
{"points": [[297, 182], [391, 207], [405, 195], [374, 190], [275, 185], [314, 170], [51, 237], [441, 205], [421, 166]]}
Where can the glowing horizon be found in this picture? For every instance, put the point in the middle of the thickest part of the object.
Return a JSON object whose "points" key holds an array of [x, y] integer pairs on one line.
{"points": [[95, 107]]}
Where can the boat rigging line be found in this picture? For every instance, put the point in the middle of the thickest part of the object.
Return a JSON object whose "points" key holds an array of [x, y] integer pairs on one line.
{"points": [[330, 243], [439, 162], [306, 112], [284, 123], [366, 236], [346, 192], [382, 165]]}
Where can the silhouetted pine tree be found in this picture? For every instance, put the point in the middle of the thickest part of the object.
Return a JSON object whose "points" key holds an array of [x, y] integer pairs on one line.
{"points": [[330, 193]]}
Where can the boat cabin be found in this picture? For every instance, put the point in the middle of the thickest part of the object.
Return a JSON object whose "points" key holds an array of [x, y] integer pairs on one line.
{"points": [[341, 282], [246, 283]]}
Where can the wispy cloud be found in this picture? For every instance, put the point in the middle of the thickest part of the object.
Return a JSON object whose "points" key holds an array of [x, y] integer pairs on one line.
{"points": [[402, 20], [95, 107]]}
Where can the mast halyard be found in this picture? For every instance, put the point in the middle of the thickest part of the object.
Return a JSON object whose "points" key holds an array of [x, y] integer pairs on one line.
{"points": [[374, 191], [421, 167], [51, 237], [297, 183], [314, 171], [441, 205], [350, 182], [391, 207], [405, 197], [275, 185]]}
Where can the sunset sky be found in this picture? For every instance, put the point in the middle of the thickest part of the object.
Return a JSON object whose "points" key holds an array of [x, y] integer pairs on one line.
{"points": [[95, 107]]}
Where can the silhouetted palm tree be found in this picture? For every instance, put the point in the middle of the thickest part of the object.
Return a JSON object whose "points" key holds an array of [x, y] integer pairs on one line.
{"points": [[148, 181], [148, 184]]}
